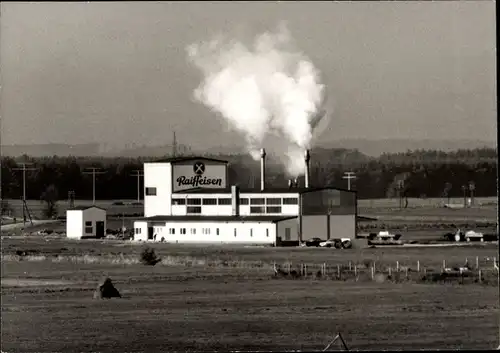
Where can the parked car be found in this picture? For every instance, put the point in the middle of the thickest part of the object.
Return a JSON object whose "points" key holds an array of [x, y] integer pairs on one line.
{"points": [[313, 242], [341, 243]]}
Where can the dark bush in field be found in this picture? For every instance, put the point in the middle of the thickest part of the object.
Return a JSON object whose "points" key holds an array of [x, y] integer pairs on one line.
{"points": [[149, 257]]}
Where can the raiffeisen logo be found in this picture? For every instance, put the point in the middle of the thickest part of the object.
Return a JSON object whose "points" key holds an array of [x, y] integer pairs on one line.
{"points": [[198, 179]]}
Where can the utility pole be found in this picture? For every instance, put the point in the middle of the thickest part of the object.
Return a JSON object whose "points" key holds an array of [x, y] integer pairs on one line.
{"points": [[349, 176], [25, 206], [138, 174], [93, 171], [174, 146], [464, 189]]}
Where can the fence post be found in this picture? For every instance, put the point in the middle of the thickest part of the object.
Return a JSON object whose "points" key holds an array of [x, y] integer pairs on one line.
{"points": [[355, 271], [350, 268], [373, 272], [418, 265], [480, 279], [324, 269], [397, 266], [477, 262], [406, 273], [338, 271], [305, 270], [444, 265], [389, 271], [494, 262], [289, 267]]}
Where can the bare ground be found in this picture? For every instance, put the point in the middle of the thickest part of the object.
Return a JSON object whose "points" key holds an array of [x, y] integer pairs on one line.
{"points": [[178, 308]]}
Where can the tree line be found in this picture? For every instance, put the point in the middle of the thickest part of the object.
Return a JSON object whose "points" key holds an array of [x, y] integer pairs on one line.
{"points": [[418, 173]]}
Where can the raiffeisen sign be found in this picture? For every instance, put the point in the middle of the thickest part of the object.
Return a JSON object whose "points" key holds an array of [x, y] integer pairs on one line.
{"points": [[198, 174]]}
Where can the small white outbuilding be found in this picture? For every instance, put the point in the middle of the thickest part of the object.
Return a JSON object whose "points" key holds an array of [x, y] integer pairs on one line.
{"points": [[86, 222]]}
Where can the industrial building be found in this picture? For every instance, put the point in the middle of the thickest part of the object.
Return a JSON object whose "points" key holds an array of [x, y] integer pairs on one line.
{"points": [[85, 222], [190, 200]]}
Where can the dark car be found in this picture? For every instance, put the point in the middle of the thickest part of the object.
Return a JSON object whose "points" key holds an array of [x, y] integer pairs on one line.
{"points": [[313, 242]]}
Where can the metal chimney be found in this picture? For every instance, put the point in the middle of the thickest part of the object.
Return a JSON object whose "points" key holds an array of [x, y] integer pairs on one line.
{"points": [[296, 182], [235, 200], [262, 169], [290, 183], [307, 158]]}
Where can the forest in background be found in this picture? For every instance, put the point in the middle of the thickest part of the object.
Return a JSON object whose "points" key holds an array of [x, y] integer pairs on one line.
{"points": [[419, 173]]}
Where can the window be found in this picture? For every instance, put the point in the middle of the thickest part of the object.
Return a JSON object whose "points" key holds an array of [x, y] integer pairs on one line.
{"points": [[235, 232], [224, 201], [210, 201], [273, 209], [194, 201], [183, 230], [194, 209], [193, 230], [288, 233], [290, 201], [217, 231], [88, 224], [244, 201], [251, 232], [259, 201], [273, 201], [206, 231], [267, 232], [257, 209], [178, 201], [150, 191], [171, 231], [88, 230]]}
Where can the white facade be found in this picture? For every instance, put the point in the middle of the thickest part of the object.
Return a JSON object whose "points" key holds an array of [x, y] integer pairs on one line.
{"points": [[240, 232], [85, 222]]}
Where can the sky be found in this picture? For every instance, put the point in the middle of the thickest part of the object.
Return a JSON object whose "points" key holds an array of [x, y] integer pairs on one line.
{"points": [[117, 72]]}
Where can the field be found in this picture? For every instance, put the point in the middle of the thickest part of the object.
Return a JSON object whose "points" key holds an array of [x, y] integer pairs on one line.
{"points": [[226, 298]]}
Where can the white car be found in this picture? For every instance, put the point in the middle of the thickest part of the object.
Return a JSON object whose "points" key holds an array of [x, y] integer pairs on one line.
{"points": [[342, 243]]}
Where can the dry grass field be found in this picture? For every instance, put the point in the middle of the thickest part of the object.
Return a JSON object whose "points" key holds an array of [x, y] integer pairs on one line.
{"points": [[226, 298]]}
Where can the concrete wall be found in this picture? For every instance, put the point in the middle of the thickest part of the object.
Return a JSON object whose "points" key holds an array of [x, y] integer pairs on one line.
{"points": [[82, 223], [210, 232], [74, 224], [341, 226], [140, 231], [90, 217], [159, 176]]}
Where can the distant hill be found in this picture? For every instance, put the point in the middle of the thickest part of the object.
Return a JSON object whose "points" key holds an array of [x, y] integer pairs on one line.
{"points": [[371, 148], [375, 148], [51, 149]]}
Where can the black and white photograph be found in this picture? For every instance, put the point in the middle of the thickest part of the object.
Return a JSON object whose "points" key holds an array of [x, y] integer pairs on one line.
{"points": [[242, 176]]}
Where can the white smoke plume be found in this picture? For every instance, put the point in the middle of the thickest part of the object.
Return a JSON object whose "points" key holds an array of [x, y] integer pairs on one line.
{"points": [[269, 89]]}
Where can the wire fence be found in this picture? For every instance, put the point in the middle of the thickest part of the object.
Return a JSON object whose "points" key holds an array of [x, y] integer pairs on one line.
{"points": [[476, 271]]}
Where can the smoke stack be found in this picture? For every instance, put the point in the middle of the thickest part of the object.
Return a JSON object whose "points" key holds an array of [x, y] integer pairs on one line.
{"points": [[262, 169], [307, 157], [235, 200], [296, 182]]}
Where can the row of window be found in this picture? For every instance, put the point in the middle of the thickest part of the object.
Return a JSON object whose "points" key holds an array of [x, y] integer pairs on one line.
{"points": [[275, 201], [253, 209], [206, 231]]}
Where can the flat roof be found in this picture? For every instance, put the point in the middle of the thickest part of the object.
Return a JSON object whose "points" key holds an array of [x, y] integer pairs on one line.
{"points": [[198, 218], [282, 190], [187, 159], [83, 208]]}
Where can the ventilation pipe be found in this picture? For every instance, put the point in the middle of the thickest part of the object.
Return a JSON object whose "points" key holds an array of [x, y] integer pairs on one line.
{"points": [[235, 200], [307, 157], [262, 169], [290, 183], [296, 182]]}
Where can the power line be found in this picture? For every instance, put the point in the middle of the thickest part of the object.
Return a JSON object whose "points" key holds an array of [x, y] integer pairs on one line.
{"points": [[349, 176], [138, 174], [93, 172]]}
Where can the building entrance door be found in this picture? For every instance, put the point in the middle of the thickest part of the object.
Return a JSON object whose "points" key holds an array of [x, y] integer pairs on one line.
{"points": [[99, 229]]}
